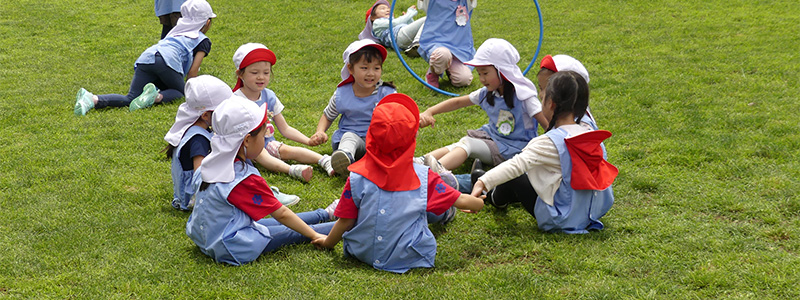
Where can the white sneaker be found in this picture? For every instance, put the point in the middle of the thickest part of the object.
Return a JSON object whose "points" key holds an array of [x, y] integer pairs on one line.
{"points": [[419, 160], [434, 164], [302, 172], [340, 160], [285, 199], [325, 162], [332, 208]]}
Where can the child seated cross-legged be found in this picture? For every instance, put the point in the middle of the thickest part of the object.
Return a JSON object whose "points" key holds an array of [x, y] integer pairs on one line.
{"points": [[388, 200], [232, 198], [405, 30]]}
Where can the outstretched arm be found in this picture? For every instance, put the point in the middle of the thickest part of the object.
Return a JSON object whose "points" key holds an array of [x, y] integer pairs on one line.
{"points": [[320, 137], [288, 131], [195, 68], [426, 117], [336, 233], [469, 203], [287, 217]]}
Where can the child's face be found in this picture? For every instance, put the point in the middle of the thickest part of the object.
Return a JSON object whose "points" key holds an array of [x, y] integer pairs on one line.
{"points": [[380, 11], [256, 76], [255, 143], [366, 74], [488, 77]]}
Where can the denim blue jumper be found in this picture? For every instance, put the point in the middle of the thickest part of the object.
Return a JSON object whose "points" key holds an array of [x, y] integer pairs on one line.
{"points": [[182, 191], [356, 113], [510, 128], [441, 30]]}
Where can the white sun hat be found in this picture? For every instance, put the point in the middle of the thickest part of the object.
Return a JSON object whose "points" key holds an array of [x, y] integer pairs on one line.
{"points": [[233, 119], [203, 93], [563, 62], [194, 14], [504, 57], [355, 46]]}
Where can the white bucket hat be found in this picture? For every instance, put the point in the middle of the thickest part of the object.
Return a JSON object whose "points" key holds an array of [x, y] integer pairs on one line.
{"points": [[355, 46], [233, 119], [564, 62], [503, 56], [194, 14], [203, 93]]}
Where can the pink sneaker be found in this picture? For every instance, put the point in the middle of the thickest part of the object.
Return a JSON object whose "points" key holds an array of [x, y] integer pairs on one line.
{"points": [[432, 79]]}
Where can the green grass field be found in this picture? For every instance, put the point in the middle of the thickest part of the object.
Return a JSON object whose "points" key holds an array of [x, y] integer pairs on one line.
{"points": [[702, 98]]}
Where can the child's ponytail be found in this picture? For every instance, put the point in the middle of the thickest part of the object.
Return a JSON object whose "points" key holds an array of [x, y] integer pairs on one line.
{"points": [[570, 93]]}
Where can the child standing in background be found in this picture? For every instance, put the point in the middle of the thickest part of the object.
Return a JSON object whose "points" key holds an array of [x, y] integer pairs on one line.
{"points": [[509, 100], [561, 178], [160, 70], [228, 221], [385, 206], [168, 13], [190, 137], [446, 40], [354, 99], [404, 28], [254, 64]]}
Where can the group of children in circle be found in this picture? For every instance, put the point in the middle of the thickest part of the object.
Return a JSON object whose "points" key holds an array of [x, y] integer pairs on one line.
{"points": [[561, 178]]}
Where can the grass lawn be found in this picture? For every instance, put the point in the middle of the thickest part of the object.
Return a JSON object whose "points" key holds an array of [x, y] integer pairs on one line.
{"points": [[702, 98]]}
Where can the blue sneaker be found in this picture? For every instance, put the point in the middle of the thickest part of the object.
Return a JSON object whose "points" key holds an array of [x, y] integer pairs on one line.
{"points": [[449, 215], [83, 102], [285, 199], [146, 99]]}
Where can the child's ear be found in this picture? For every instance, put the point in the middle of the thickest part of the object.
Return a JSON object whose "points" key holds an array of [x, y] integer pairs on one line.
{"points": [[350, 67], [207, 116]]}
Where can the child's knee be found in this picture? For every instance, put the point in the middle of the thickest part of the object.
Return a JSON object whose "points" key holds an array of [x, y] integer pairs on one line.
{"points": [[440, 60], [460, 77]]}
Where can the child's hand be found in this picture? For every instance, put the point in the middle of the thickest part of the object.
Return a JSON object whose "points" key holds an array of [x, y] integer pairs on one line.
{"points": [[426, 119], [318, 138], [320, 242], [477, 189]]}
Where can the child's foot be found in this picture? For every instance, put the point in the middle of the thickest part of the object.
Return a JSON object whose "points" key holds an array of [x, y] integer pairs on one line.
{"points": [[437, 168], [302, 172], [332, 208], [340, 160], [477, 171], [432, 79], [83, 102], [495, 202], [325, 162], [449, 215], [284, 199], [419, 160], [412, 50], [146, 99]]}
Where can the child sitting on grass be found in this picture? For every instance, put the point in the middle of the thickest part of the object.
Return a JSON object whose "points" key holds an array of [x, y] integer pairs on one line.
{"points": [[404, 29], [254, 63], [232, 198], [388, 200], [562, 178], [354, 99]]}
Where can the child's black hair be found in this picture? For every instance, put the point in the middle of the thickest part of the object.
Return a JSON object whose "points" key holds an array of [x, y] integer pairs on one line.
{"points": [[368, 53], [508, 94], [205, 185], [570, 92]]}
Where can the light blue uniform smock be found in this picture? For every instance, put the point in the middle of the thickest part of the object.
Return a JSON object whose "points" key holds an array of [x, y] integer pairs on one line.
{"points": [[182, 191]]}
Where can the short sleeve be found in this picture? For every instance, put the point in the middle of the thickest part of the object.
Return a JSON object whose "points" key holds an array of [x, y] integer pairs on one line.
{"points": [[347, 208], [475, 97], [204, 46], [197, 145], [532, 106], [254, 197], [440, 195]]}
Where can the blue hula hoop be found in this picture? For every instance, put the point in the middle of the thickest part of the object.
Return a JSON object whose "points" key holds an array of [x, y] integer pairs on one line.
{"points": [[402, 60]]}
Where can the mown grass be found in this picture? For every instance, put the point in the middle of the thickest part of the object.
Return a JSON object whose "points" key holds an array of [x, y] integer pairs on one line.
{"points": [[701, 97]]}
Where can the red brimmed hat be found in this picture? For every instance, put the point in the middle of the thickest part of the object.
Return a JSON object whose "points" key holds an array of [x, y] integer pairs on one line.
{"points": [[248, 54], [391, 141]]}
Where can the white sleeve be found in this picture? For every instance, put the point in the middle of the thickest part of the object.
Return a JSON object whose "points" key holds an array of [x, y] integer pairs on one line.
{"points": [[475, 97], [539, 159], [278, 107], [532, 106]]}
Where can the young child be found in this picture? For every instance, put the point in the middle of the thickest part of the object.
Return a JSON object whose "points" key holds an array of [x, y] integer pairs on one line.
{"points": [[354, 99], [227, 222], [562, 178], [388, 200], [552, 64], [190, 137], [254, 64], [509, 100], [404, 28], [168, 13], [446, 40], [159, 70]]}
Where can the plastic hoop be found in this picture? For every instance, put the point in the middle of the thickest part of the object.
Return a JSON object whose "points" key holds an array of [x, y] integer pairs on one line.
{"points": [[403, 60]]}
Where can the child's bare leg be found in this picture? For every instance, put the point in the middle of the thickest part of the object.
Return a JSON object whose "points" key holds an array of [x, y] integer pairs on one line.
{"points": [[454, 158], [439, 153], [271, 163], [299, 154]]}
